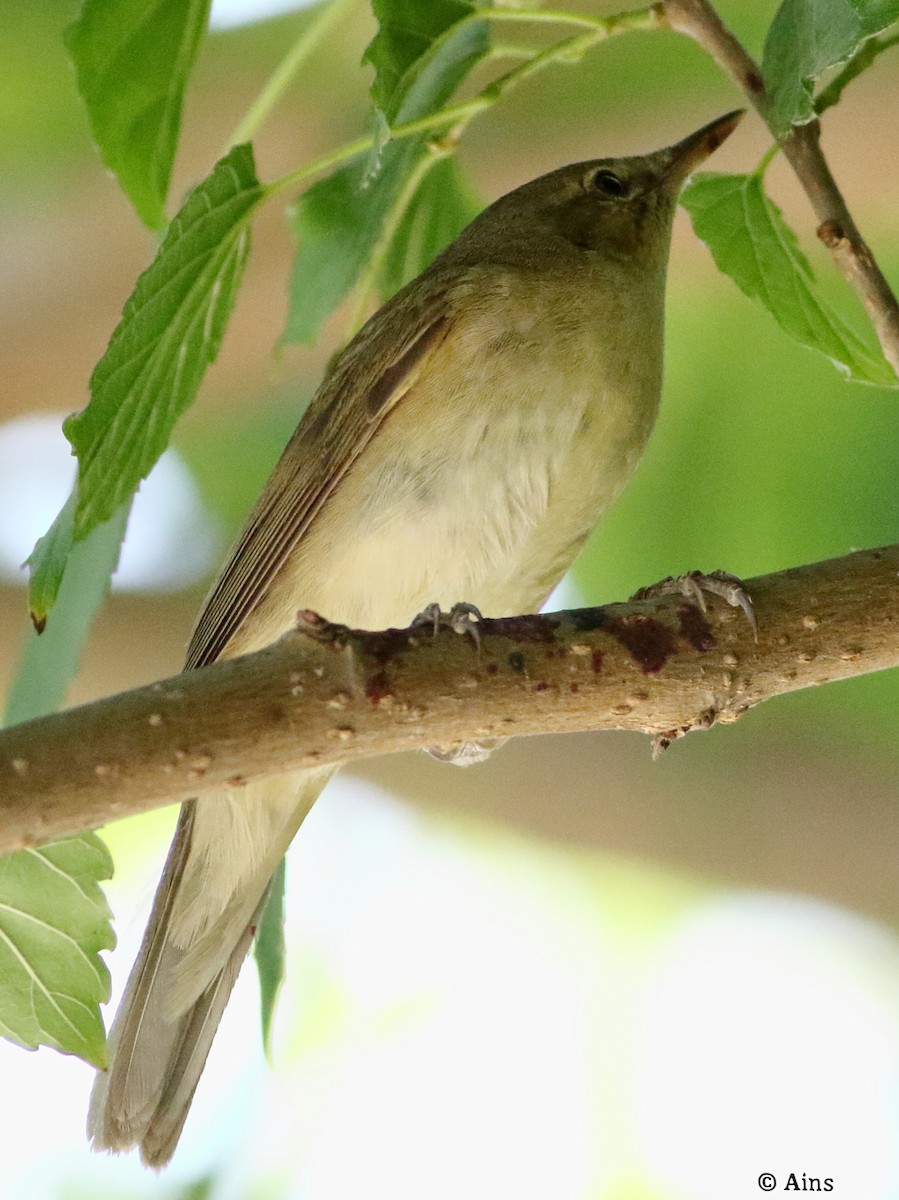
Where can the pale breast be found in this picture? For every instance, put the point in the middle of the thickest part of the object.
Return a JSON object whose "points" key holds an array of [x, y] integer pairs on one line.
{"points": [[485, 480]]}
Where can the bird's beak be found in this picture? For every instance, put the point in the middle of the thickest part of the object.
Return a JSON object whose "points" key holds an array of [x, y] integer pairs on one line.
{"points": [[687, 155]]}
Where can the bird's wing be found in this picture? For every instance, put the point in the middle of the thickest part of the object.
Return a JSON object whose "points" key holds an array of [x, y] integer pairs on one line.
{"points": [[373, 374]]}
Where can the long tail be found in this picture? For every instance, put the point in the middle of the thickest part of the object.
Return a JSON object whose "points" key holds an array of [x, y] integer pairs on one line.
{"points": [[224, 852]]}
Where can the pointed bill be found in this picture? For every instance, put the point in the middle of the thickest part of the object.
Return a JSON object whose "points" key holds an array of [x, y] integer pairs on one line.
{"points": [[685, 156]]}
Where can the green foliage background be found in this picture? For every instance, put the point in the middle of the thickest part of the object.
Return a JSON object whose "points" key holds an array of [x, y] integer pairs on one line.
{"points": [[764, 456]]}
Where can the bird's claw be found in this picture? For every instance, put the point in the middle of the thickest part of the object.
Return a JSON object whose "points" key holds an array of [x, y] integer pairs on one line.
{"points": [[462, 618], [694, 585], [430, 615]]}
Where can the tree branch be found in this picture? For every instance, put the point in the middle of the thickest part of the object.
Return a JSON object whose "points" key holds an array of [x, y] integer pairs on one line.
{"points": [[324, 694], [836, 228]]}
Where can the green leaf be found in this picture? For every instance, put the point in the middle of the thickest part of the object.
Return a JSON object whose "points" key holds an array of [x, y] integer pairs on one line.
{"points": [[269, 951], [443, 205], [47, 563], [340, 222], [807, 38], [53, 919], [53, 924], [169, 333], [49, 661], [336, 224], [421, 49], [133, 58], [751, 242]]}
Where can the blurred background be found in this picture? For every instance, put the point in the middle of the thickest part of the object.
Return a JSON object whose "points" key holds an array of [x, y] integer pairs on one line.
{"points": [[572, 972]]}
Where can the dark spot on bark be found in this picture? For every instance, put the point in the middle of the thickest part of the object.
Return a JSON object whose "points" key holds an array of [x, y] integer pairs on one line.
{"points": [[649, 642], [754, 82], [575, 687], [694, 628], [585, 620], [492, 668], [378, 687], [541, 687], [523, 629], [386, 646], [516, 661], [831, 234], [596, 661]]}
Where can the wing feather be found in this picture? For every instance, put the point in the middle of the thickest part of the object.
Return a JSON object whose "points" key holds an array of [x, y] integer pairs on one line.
{"points": [[369, 379]]}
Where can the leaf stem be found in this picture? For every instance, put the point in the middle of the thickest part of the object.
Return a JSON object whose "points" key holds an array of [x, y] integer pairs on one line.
{"points": [[457, 116], [511, 50], [859, 62], [554, 16], [277, 83], [764, 162], [324, 162]]}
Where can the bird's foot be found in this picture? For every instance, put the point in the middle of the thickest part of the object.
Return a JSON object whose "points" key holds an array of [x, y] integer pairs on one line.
{"points": [[695, 584], [462, 619], [431, 615]]}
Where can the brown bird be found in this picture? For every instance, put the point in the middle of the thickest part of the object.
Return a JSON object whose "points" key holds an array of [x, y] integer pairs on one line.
{"points": [[462, 448]]}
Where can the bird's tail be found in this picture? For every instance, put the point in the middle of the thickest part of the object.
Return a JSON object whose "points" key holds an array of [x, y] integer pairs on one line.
{"points": [[224, 852]]}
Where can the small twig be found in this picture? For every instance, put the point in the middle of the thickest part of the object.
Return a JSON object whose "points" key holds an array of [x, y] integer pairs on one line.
{"points": [[324, 694], [836, 228], [312, 35], [455, 117], [860, 61]]}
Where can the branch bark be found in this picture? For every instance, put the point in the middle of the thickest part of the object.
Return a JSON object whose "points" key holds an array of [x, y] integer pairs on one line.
{"points": [[836, 227], [324, 694]]}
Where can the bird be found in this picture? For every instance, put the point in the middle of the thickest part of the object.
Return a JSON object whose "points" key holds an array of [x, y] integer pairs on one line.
{"points": [[460, 448]]}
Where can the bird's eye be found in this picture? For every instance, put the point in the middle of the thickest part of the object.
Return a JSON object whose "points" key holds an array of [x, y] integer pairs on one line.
{"points": [[609, 183]]}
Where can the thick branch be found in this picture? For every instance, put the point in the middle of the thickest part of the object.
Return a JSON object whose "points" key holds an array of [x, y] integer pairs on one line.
{"points": [[324, 694], [836, 228]]}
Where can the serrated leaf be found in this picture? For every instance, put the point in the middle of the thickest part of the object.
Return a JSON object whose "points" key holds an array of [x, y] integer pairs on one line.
{"points": [[54, 922], [422, 48], [807, 38], [751, 242], [170, 332], [269, 951], [339, 223], [133, 59], [443, 205]]}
